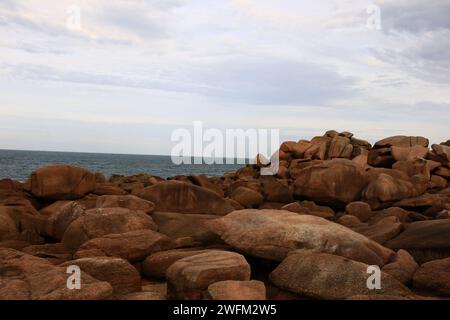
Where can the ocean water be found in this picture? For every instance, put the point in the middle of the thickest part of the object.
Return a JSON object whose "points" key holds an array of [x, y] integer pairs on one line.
{"points": [[18, 165]]}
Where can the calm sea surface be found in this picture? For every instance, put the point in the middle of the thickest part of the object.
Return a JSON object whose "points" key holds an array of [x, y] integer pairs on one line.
{"points": [[18, 165]]}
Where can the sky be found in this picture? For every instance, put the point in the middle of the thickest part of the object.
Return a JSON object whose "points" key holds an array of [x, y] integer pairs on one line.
{"points": [[133, 71]]}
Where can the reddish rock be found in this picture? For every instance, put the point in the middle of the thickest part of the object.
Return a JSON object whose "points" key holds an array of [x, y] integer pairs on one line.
{"points": [[175, 196], [237, 290], [272, 234], [178, 225], [434, 277], [326, 276], [248, 198], [359, 209], [132, 246], [351, 222], [102, 189], [61, 182], [425, 240], [381, 157], [443, 172], [383, 231], [442, 152], [21, 221], [156, 265], [189, 277], [408, 153], [413, 167], [100, 222], [336, 182], [402, 141], [56, 253], [120, 274], [52, 209], [204, 182], [30, 278], [127, 201], [276, 191], [403, 267]]}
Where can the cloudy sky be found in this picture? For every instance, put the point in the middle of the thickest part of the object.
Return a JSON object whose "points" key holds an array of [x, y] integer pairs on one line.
{"points": [[136, 70]]}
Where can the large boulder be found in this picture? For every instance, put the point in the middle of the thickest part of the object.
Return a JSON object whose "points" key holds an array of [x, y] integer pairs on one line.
{"points": [[21, 221], [189, 277], [326, 276], [383, 231], [61, 182], [132, 246], [179, 225], [402, 141], [120, 274], [247, 197], [335, 182], [425, 240], [434, 277], [272, 234], [99, 222], [408, 153], [125, 201], [156, 265], [176, 196], [237, 290], [25, 277], [402, 267]]}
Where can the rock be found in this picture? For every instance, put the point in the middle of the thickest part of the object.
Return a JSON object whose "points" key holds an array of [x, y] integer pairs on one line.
{"points": [[121, 275], [152, 291], [25, 277], [237, 290], [340, 147], [56, 253], [383, 231], [336, 182], [189, 277], [204, 182], [442, 152], [402, 268], [351, 222], [361, 160], [359, 209], [61, 182], [275, 191], [402, 141], [425, 200], [424, 240], [128, 201], [156, 265], [272, 234], [319, 148], [443, 172], [434, 277], [132, 246], [385, 188], [175, 196], [326, 276], [103, 189], [52, 209], [310, 208], [413, 167], [399, 213], [99, 222], [178, 225], [381, 157], [248, 198], [57, 223], [408, 153], [437, 182], [21, 221]]}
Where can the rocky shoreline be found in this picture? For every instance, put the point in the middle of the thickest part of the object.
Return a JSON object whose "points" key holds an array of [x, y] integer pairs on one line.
{"points": [[337, 206]]}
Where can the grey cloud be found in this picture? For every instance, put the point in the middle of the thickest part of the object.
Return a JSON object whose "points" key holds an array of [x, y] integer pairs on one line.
{"points": [[273, 81], [415, 16]]}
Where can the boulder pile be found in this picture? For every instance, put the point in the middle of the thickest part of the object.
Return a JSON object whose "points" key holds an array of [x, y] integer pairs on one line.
{"points": [[338, 217]]}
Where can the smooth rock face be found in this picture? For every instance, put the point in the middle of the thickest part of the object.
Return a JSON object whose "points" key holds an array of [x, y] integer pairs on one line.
{"points": [[336, 182], [99, 222], [326, 276], [383, 231], [131, 246], [156, 265], [179, 225], [403, 267], [25, 277], [237, 290], [425, 240], [272, 234], [434, 277], [408, 153], [402, 141], [57, 224], [189, 277], [121, 275], [176, 196], [359, 209], [246, 197], [126, 201], [61, 182]]}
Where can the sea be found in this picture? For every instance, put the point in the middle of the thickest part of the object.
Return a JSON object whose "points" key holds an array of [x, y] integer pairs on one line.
{"points": [[18, 164]]}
